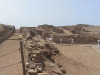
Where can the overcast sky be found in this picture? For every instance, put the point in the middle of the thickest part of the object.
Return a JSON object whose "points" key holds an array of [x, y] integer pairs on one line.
{"points": [[55, 12]]}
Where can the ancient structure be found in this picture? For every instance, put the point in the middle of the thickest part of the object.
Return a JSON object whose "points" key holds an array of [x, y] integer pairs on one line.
{"points": [[6, 31]]}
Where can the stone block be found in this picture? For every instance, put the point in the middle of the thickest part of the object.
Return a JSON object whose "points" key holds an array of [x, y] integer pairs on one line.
{"points": [[57, 71], [36, 56], [32, 72], [36, 60], [32, 66]]}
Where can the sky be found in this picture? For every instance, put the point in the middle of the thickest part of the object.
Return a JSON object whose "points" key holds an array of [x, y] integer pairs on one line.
{"points": [[53, 12]]}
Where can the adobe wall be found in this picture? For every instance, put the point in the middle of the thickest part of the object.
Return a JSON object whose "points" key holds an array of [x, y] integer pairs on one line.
{"points": [[65, 38], [7, 32], [78, 39]]}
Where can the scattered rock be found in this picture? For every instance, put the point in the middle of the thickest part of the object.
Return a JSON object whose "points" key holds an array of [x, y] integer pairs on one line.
{"points": [[57, 71], [63, 70]]}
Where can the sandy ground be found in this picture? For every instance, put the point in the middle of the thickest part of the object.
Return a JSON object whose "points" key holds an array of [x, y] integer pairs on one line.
{"points": [[87, 59], [9, 63]]}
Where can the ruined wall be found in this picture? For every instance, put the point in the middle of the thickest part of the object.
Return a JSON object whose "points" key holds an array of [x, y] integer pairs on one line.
{"points": [[85, 40], [65, 38], [39, 57], [6, 31], [77, 39], [23, 29]]}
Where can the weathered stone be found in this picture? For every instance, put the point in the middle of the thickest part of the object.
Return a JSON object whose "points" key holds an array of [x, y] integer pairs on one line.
{"points": [[32, 72], [39, 69], [43, 74], [57, 71], [37, 60], [39, 64], [63, 70], [36, 48], [38, 53], [35, 56], [27, 65], [41, 47], [32, 66], [59, 65]]}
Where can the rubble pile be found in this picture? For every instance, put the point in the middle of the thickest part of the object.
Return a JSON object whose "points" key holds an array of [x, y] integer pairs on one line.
{"points": [[39, 56]]}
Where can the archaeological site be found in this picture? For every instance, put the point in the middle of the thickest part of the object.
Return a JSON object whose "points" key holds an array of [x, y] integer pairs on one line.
{"points": [[49, 50]]}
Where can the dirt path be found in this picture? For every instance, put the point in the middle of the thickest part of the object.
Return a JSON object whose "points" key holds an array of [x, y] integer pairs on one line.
{"points": [[84, 55], [10, 57]]}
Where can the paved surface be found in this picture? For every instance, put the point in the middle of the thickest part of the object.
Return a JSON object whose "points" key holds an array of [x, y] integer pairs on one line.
{"points": [[86, 55], [10, 57]]}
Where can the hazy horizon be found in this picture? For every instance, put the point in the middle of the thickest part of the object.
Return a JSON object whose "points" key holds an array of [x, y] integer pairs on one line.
{"points": [[53, 12]]}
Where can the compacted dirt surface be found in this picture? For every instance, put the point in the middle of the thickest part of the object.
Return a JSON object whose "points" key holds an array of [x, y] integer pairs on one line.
{"points": [[80, 59], [10, 57]]}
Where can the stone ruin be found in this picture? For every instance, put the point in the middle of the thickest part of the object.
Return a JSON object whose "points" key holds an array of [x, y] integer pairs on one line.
{"points": [[87, 34], [40, 57], [82, 34], [6, 31]]}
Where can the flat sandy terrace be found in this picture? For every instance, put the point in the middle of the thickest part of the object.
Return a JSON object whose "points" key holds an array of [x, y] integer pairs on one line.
{"points": [[87, 55], [10, 57]]}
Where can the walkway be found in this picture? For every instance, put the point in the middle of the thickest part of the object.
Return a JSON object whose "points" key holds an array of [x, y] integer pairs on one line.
{"points": [[10, 57]]}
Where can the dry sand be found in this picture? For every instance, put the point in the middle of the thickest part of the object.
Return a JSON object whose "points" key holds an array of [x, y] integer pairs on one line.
{"points": [[7, 61], [80, 59]]}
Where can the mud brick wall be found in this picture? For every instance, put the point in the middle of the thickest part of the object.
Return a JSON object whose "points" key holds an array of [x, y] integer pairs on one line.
{"points": [[8, 32], [65, 38], [85, 40], [77, 40]]}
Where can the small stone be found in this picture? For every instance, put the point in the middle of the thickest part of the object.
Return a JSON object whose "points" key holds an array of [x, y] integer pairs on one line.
{"points": [[63, 70]]}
